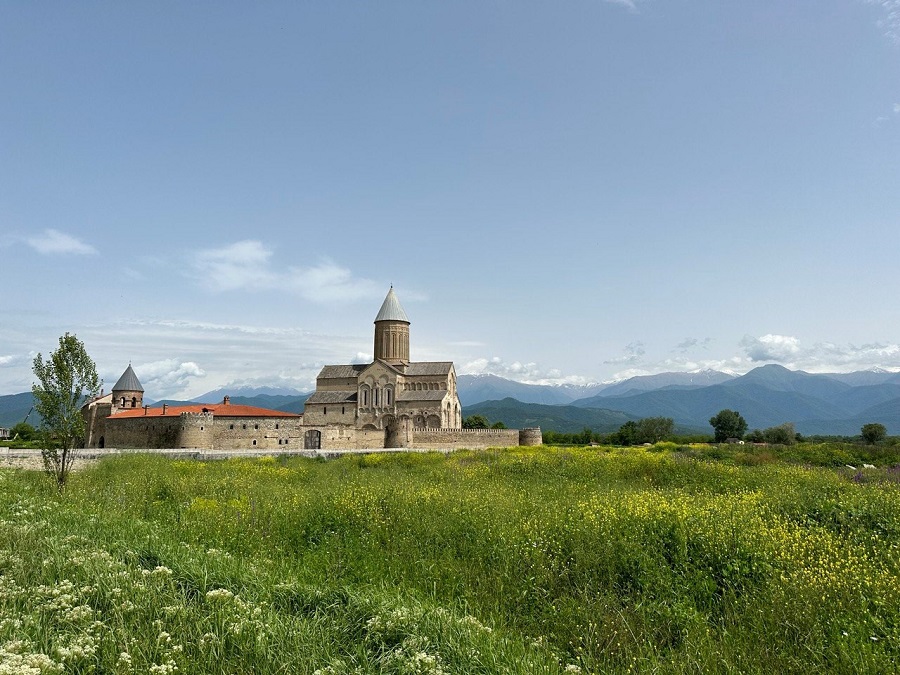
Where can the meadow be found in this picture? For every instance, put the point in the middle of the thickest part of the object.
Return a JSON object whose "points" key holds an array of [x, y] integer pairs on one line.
{"points": [[537, 560]]}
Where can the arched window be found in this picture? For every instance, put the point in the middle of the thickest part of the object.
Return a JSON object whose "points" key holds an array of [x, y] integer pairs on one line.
{"points": [[123, 402], [134, 402]]}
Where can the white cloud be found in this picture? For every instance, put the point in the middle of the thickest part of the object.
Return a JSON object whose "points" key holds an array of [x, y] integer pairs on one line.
{"points": [[633, 354], [820, 357], [244, 264], [778, 348], [167, 377], [249, 265], [897, 108], [54, 241], [529, 373]]}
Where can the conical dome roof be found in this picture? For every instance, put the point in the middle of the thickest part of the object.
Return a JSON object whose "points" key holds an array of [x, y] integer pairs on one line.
{"points": [[128, 381], [391, 309]]}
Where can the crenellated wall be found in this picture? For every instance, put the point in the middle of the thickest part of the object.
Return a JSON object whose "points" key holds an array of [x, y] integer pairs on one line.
{"points": [[464, 438]]}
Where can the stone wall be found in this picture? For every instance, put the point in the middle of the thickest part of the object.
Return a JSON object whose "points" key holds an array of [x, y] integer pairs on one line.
{"points": [[350, 438], [143, 432], [464, 438], [205, 431], [265, 433]]}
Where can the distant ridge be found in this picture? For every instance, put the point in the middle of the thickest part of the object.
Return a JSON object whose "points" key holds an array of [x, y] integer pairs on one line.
{"points": [[817, 403], [245, 391]]}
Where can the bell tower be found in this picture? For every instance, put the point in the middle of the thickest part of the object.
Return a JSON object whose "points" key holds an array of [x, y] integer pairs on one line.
{"points": [[392, 332]]}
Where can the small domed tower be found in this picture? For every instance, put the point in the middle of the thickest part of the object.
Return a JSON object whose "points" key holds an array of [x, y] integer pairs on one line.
{"points": [[127, 392], [392, 332]]}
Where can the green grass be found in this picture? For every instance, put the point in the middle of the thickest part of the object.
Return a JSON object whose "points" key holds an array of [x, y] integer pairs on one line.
{"points": [[515, 561]]}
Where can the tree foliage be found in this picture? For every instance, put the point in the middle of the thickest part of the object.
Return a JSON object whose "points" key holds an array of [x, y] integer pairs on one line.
{"points": [[647, 430], [728, 424], [23, 432], [873, 433], [476, 422], [783, 434], [64, 380]]}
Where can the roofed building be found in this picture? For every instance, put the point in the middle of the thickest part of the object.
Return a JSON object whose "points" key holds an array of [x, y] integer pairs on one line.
{"points": [[391, 394]]}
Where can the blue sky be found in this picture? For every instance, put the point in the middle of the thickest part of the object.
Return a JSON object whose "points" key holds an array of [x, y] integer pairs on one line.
{"points": [[559, 192]]}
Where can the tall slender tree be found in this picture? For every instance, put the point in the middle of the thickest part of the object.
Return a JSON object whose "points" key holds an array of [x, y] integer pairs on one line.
{"points": [[65, 379]]}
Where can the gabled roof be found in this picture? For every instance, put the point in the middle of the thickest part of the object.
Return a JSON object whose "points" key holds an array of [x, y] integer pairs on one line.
{"points": [[128, 381], [333, 397], [428, 368], [348, 371], [391, 309], [218, 409]]}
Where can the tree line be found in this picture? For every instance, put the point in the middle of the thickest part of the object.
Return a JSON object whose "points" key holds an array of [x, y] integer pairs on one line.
{"points": [[728, 426]]}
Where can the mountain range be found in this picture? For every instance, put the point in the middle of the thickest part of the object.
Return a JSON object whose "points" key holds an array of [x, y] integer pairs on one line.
{"points": [[833, 404]]}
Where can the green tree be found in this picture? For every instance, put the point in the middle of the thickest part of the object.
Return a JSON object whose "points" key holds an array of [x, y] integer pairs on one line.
{"points": [[23, 432], [873, 433], [783, 434], [476, 422], [626, 435], [654, 429], [756, 436], [64, 380], [498, 425], [728, 424]]}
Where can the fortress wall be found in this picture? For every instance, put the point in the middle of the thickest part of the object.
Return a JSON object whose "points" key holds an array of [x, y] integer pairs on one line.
{"points": [[349, 438], [143, 432], [464, 438], [238, 433]]}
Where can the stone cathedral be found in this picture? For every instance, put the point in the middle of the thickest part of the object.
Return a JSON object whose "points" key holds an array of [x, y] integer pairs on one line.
{"points": [[392, 393]]}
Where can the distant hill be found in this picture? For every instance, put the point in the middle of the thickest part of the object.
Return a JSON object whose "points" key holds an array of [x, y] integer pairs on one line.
{"points": [[245, 392], [565, 418], [475, 388], [642, 383], [562, 418], [14, 408], [768, 396], [284, 403]]}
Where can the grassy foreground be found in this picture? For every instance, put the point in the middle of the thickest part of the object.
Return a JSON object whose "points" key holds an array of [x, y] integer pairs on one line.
{"points": [[514, 561]]}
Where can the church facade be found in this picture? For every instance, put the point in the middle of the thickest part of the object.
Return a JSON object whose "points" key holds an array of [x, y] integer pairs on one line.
{"points": [[392, 402], [392, 394]]}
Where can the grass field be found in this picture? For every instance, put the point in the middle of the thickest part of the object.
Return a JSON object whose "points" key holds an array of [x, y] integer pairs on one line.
{"points": [[539, 560]]}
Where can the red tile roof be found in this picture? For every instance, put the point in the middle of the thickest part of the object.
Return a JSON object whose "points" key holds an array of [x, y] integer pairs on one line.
{"points": [[219, 409]]}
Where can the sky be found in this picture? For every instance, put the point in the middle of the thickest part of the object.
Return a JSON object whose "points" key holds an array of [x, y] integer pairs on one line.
{"points": [[222, 194]]}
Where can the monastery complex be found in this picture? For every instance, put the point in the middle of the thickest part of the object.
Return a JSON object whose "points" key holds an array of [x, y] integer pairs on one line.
{"points": [[390, 403]]}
